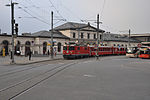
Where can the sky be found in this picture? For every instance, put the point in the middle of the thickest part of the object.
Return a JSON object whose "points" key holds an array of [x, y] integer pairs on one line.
{"points": [[117, 16]]}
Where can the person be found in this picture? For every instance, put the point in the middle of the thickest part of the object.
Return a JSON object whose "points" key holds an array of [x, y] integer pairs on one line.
{"points": [[30, 53], [54, 51], [48, 52]]}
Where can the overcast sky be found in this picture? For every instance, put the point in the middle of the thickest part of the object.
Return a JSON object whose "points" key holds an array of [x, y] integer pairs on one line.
{"points": [[116, 15]]}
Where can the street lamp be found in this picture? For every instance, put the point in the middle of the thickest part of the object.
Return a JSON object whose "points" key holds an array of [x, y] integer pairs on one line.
{"points": [[12, 29]]}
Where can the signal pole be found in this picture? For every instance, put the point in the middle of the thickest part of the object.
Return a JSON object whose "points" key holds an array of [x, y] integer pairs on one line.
{"points": [[52, 34], [12, 28], [97, 34]]}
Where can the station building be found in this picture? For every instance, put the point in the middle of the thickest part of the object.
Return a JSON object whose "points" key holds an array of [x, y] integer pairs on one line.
{"points": [[39, 42]]}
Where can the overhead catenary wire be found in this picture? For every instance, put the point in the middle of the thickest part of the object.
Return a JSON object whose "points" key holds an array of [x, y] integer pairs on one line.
{"points": [[55, 8], [35, 17]]}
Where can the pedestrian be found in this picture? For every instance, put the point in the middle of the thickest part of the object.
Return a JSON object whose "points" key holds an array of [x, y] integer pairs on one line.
{"points": [[30, 53], [54, 51], [48, 52]]}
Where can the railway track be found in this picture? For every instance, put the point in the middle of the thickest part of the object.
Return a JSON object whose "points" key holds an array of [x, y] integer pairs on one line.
{"points": [[13, 91], [21, 69]]}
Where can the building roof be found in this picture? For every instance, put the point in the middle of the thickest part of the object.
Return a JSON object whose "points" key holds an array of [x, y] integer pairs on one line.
{"points": [[45, 33], [74, 26], [140, 35], [117, 37]]}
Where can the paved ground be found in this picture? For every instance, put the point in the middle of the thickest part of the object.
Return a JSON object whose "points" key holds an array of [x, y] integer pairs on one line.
{"points": [[109, 78], [25, 60]]}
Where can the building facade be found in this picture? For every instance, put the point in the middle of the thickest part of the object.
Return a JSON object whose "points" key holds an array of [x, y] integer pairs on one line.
{"points": [[40, 42]]}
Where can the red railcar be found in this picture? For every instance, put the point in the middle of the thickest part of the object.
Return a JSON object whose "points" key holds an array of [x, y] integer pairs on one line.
{"points": [[71, 51], [75, 51]]}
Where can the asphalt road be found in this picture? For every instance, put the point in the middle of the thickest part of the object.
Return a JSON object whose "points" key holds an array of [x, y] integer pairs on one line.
{"points": [[109, 78]]}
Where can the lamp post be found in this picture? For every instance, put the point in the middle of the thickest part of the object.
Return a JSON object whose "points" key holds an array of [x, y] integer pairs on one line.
{"points": [[12, 29]]}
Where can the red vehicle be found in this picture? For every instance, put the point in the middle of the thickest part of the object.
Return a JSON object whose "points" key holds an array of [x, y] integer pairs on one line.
{"points": [[76, 51], [145, 53], [71, 51]]}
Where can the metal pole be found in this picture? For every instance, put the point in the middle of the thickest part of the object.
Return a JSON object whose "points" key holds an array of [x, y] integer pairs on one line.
{"points": [[12, 23], [97, 34], [78, 34], [129, 37], [52, 34]]}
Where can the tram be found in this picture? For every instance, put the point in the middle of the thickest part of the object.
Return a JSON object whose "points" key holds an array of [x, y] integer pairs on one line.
{"points": [[81, 51]]}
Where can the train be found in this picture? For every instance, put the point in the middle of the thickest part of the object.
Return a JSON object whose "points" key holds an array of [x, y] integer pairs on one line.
{"points": [[81, 51]]}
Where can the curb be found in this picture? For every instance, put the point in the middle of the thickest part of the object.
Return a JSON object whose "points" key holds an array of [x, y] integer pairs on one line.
{"points": [[27, 63], [37, 61]]}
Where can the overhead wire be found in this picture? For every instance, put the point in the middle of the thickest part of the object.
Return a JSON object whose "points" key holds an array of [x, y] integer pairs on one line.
{"points": [[55, 8], [35, 17]]}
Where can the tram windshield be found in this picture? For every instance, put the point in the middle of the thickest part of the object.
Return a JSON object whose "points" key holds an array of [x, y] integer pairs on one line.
{"points": [[71, 48], [132, 50], [65, 48]]}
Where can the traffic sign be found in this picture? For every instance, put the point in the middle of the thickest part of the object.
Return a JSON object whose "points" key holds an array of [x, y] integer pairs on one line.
{"points": [[139, 45]]}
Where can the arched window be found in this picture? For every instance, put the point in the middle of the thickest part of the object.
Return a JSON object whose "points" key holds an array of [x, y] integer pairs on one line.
{"points": [[59, 47], [5, 44], [17, 48], [27, 48]]}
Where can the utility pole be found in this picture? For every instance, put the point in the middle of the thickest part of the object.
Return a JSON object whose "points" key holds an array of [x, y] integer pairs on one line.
{"points": [[52, 34], [12, 28], [97, 34], [78, 34], [129, 38]]}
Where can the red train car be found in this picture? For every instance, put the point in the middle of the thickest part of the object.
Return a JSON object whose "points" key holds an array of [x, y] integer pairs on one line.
{"points": [[76, 51], [71, 51]]}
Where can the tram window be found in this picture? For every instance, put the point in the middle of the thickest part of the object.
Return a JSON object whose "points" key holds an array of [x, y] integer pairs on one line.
{"points": [[99, 49], [65, 48], [71, 48], [78, 48], [85, 48]]}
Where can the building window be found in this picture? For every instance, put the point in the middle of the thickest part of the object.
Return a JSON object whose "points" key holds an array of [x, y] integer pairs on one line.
{"points": [[94, 36], [148, 40], [100, 36], [88, 35], [74, 35], [82, 35]]}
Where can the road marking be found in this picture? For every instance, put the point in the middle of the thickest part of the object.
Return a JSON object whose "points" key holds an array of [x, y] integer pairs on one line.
{"points": [[89, 75]]}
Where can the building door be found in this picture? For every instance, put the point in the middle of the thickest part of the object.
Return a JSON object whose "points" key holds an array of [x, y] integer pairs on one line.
{"points": [[27, 48], [59, 47], [44, 48], [17, 48], [5, 44]]}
